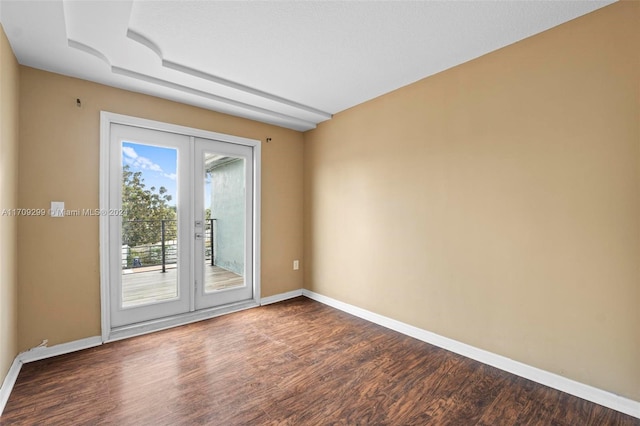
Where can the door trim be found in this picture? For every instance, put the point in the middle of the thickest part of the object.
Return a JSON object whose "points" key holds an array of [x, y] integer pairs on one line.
{"points": [[110, 333]]}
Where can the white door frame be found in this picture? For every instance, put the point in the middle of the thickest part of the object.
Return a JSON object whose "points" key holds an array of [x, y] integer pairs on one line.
{"points": [[110, 333]]}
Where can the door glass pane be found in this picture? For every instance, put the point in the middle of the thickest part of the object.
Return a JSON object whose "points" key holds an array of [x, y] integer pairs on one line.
{"points": [[149, 224], [224, 236]]}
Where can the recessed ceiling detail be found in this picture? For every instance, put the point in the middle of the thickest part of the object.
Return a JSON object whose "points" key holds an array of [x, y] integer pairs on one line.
{"points": [[133, 35], [201, 74], [144, 41], [292, 64], [190, 90], [88, 49]]}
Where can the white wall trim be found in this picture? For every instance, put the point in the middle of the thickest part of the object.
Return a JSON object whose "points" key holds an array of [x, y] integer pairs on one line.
{"points": [[257, 220], [280, 297], [9, 382], [590, 393], [36, 354], [105, 172]]}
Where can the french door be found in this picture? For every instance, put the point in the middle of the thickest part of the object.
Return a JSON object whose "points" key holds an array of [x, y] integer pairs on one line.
{"points": [[223, 216], [181, 223]]}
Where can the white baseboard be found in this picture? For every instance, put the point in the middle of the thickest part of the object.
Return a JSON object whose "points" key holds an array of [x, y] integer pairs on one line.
{"points": [[590, 393], [9, 381], [39, 353], [280, 297]]}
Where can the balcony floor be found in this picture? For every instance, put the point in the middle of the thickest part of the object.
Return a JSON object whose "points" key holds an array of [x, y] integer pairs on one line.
{"points": [[145, 285]]}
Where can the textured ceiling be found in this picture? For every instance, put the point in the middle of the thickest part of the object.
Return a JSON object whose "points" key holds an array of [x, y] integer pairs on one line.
{"points": [[292, 64]]}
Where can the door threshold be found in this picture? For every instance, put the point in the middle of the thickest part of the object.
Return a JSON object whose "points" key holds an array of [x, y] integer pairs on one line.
{"points": [[124, 332]]}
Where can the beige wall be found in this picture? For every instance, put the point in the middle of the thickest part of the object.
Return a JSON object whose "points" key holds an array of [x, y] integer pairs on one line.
{"points": [[59, 283], [496, 203], [9, 101]]}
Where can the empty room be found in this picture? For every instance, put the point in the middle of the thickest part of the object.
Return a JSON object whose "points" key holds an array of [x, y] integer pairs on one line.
{"points": [[320, 212]]}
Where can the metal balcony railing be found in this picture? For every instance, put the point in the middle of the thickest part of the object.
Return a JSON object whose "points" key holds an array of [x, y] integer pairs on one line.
{"points": [[154, 243]]}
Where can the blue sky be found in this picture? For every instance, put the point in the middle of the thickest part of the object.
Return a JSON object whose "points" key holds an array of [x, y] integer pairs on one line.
{"points": [[158, 166]]}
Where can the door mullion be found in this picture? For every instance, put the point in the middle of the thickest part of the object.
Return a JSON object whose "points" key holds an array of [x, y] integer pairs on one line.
{"points": [[192, 231]]}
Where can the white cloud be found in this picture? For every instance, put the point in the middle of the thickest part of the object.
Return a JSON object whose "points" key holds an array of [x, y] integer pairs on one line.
{"points": [[146, 164], [131, 157], [171, 176], [129, 152]]}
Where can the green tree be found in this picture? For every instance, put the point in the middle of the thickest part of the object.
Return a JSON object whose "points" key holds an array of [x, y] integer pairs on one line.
{"points": [[145, 209]]}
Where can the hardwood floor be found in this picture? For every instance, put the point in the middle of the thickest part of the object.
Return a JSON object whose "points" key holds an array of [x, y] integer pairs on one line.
{"points": [[292, 363]]}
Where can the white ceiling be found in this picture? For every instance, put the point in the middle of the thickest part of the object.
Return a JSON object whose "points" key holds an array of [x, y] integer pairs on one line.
{"points": [[292, 64]]}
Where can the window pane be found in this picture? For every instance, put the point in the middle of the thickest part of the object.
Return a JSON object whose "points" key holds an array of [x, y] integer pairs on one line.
{"points": [[224, 222], [149, 226]]}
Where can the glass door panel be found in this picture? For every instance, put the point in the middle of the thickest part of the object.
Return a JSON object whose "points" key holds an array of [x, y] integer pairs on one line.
{"points": [[150, 237], [224, 211], [149, 224], [223, 227]]}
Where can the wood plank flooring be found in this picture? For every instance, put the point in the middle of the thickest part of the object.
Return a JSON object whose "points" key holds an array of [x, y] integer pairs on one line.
{"points": [[147, 286], [292, 363]]}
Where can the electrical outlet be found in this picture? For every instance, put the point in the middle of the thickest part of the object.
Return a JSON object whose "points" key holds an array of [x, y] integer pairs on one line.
{"points": [[296, 265]]}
